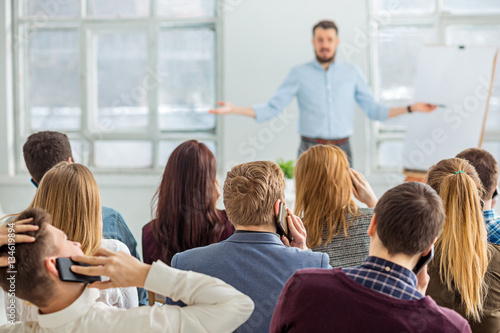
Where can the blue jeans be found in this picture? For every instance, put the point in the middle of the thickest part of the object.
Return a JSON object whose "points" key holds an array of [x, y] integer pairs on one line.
{"points": [[306, 144]]}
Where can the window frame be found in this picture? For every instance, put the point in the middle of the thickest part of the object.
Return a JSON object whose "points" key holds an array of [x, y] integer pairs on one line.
{"points": [[440, 20], [87, 27]]}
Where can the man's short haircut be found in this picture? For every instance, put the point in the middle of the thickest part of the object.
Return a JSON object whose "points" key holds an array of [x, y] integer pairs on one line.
{"points": [[326, 24], [250, 192], [43, 150], [32, 280], [409, 217], [486, 166]]}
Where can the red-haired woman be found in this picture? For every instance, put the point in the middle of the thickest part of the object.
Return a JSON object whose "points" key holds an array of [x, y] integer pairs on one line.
{"points": [[186, 214]]}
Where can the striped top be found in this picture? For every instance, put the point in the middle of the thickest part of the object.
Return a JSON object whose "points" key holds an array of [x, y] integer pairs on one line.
{"points": [[353, 250]]}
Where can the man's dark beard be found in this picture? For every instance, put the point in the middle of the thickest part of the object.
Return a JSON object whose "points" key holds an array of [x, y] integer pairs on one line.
{"points": [[322, 61]]}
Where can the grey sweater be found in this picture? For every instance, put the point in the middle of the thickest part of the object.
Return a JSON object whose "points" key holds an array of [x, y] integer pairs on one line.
{"points": [[350, 251]]}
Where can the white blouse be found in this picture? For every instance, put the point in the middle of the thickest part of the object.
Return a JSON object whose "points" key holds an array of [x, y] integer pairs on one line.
{"points": [[125, 298], [212, 307]]}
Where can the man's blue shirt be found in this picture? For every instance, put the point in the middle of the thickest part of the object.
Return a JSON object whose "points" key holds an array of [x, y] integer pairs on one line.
{"points": [[326, 99]]}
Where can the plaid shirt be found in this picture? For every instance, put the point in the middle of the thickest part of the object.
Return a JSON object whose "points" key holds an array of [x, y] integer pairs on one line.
{"points": [[385, 277], [492, 225]]}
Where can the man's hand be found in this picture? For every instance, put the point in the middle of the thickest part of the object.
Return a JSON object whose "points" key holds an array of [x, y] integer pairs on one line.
{"points": [[224, 108], [123, 269], [297, 231], [19, 228], [362, 189], [229, 108], [423, 280], [423, 107]]}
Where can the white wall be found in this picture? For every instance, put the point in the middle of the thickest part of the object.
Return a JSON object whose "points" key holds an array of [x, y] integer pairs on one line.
{"points": [[262, 41]]}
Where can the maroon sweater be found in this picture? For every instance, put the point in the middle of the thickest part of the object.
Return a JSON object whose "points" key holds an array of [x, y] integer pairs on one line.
{"points": [[320, 300]]}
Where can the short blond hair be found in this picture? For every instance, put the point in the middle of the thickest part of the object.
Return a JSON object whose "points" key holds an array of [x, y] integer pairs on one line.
{"points": [[250, 192]]}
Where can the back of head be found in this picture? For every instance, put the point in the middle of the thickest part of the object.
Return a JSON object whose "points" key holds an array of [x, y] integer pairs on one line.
{"points": [[70, 194], [43, 150], [461, 251], [32, 281], [186, 213], [250, 192], [486, 167], [324, 192], [409, 217]]}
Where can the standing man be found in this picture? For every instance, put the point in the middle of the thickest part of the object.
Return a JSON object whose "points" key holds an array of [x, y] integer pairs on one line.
{"points": [[326, 90]]}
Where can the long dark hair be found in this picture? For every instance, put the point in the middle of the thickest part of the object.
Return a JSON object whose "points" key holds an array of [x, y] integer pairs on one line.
{"points": [[186, 215]]}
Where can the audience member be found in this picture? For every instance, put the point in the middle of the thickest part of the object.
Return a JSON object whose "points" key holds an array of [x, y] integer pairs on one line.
{"points": [[383, 294], [186, 214], [464, 274], [10, 234], [254, 260], [487, 169], [69, 193], [213, 306], [45, 149], [324, 186]]}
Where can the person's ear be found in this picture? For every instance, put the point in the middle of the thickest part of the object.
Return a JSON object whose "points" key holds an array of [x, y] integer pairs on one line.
{"points": [[338, 42], [51, 266], [426, 252], [372, 229], [277, 207], [70, 160]]}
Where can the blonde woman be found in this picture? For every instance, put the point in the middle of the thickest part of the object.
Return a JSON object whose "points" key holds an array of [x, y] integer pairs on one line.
{"points": [[324, 186], [464, 274], [70, 194]]}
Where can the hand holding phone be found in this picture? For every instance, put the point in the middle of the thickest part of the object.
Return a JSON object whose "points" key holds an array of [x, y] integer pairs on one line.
{"points": [[65, 273], [282, 222], [423, 261]]}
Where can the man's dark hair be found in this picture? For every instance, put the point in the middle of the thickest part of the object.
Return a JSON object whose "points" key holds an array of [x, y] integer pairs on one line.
{"points": [[43, 150], [409, 217], [326, 25], [486, 167], [32, 281]]}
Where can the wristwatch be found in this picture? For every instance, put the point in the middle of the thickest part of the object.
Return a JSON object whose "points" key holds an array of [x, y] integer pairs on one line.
{"points": [[409, 109]]}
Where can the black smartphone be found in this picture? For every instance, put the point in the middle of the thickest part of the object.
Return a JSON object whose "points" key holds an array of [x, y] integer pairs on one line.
{"points": [[282, 222], [424, 260], [495, 193], [65, 273]]}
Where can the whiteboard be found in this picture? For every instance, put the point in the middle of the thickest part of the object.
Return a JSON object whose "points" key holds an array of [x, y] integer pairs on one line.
{"points": [[459, 79]]}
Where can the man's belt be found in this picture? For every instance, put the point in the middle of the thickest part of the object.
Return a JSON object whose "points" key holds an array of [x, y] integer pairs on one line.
{"points": [[326, 142]]}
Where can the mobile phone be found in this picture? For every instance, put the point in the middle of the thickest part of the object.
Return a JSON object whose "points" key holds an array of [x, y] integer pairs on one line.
{"points": [[424, 260], [495, 193], [282, 222], [65, 273]]}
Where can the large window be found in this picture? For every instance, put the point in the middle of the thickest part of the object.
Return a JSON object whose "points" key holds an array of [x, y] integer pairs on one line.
{"points": [[127, 80], [399, 28]]}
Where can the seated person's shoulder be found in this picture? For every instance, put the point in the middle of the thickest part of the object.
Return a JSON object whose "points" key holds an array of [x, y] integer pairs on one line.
{"points": [[366, 211], [114, 245], [147, 228], [313, 281], [108, 213], [494, 252], [451, 319], [197, 255]]}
